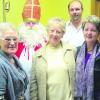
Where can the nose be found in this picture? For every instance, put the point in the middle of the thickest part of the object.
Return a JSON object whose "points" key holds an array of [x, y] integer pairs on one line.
{"points": [[74, 11], [12, 41], [55, 33], [31, 24], [89, 32]]}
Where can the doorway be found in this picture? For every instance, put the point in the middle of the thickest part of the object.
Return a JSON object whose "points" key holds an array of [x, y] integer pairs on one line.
{"points": [[95, 7], [95, 10]]}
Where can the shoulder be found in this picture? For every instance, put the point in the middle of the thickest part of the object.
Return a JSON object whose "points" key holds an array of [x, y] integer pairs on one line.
{"points": [[77, 51], [97, 62], [98, 54], [68, 23], [78, 48], [3, 67], [2, 61], [69, 47], [40, 51]]}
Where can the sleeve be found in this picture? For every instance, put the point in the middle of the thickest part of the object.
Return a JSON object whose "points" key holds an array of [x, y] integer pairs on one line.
{"points": [[3, 82], [33, 81], [71, 70]]}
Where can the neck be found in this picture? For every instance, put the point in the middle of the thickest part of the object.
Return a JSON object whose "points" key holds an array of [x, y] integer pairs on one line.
{"points": [[90, 47], [77, 23], [54, 46]]}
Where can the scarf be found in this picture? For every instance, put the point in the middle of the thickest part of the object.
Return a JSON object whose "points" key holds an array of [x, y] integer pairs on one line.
{"points": [[84, 79], [17, 78]]}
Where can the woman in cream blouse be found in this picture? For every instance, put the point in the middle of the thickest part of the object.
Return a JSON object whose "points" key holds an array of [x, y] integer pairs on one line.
{"points": [[53, 66]]}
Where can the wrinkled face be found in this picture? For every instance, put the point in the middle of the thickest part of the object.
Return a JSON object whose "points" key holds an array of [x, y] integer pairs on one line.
{"points": [[9, 42], [55, 33], [75, 11], [90, 33]]}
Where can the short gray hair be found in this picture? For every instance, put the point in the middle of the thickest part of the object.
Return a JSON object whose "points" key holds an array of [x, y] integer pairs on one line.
{"points": [[94, 20], [5, 26]]}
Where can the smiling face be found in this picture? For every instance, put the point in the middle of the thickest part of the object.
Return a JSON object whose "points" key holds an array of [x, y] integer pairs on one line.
{"points": [[9, 42], [90, 33], [75, 11], [55, 33]]}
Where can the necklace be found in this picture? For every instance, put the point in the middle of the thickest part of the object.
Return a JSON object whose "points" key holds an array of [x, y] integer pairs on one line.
{"points": [[89, 50]]}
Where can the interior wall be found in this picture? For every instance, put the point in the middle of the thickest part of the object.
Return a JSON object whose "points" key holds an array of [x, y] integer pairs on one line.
{"points": [[49, 8], [1, 11]]}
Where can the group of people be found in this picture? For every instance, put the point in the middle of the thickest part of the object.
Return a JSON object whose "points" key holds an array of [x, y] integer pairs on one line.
{"points": [[66, 67]]}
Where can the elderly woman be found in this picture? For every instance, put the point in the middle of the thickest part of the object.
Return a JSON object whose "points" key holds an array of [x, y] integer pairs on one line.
{"points": [[87, 84], [13, 79], [53, 66]]}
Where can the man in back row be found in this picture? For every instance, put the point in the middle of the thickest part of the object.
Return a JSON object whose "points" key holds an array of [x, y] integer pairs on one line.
{"points": [[74, 33]]}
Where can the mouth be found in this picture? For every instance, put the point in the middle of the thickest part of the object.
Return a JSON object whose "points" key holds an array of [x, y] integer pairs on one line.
{"points": [[12, 47], [55, 39], [76, 16], [89, 36]]}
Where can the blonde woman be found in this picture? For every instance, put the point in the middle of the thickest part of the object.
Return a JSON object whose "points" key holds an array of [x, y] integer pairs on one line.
{"points": [[53, 66]]}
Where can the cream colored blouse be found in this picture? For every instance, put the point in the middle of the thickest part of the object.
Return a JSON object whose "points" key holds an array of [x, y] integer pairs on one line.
{"points": [[57, 75]]}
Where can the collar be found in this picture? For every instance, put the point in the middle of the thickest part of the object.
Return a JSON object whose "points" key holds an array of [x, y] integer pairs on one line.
{"points": [[69, 23], [42, 51]]}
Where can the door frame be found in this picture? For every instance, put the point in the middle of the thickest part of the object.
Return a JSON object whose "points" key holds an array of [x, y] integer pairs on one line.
{"points": [[93, 2]]}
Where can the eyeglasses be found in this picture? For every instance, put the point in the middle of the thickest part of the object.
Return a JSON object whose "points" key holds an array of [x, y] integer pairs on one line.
{"points": [[9, 39]]}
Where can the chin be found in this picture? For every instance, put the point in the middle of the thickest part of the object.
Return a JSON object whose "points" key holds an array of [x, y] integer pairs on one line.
{"points": [[12, 52]]}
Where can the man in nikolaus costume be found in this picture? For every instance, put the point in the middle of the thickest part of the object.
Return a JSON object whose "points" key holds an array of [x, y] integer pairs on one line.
{"points": [[32, 36]]}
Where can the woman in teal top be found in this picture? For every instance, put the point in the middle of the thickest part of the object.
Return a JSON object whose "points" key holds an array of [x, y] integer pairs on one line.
{"points": [[13, 79], [52, 76]]}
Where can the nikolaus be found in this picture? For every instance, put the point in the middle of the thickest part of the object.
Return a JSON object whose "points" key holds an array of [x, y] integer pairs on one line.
{"points": [[32, 34]]}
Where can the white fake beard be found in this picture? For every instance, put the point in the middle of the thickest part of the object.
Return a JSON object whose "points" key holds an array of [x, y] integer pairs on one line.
{"points": [[32, 38]]}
